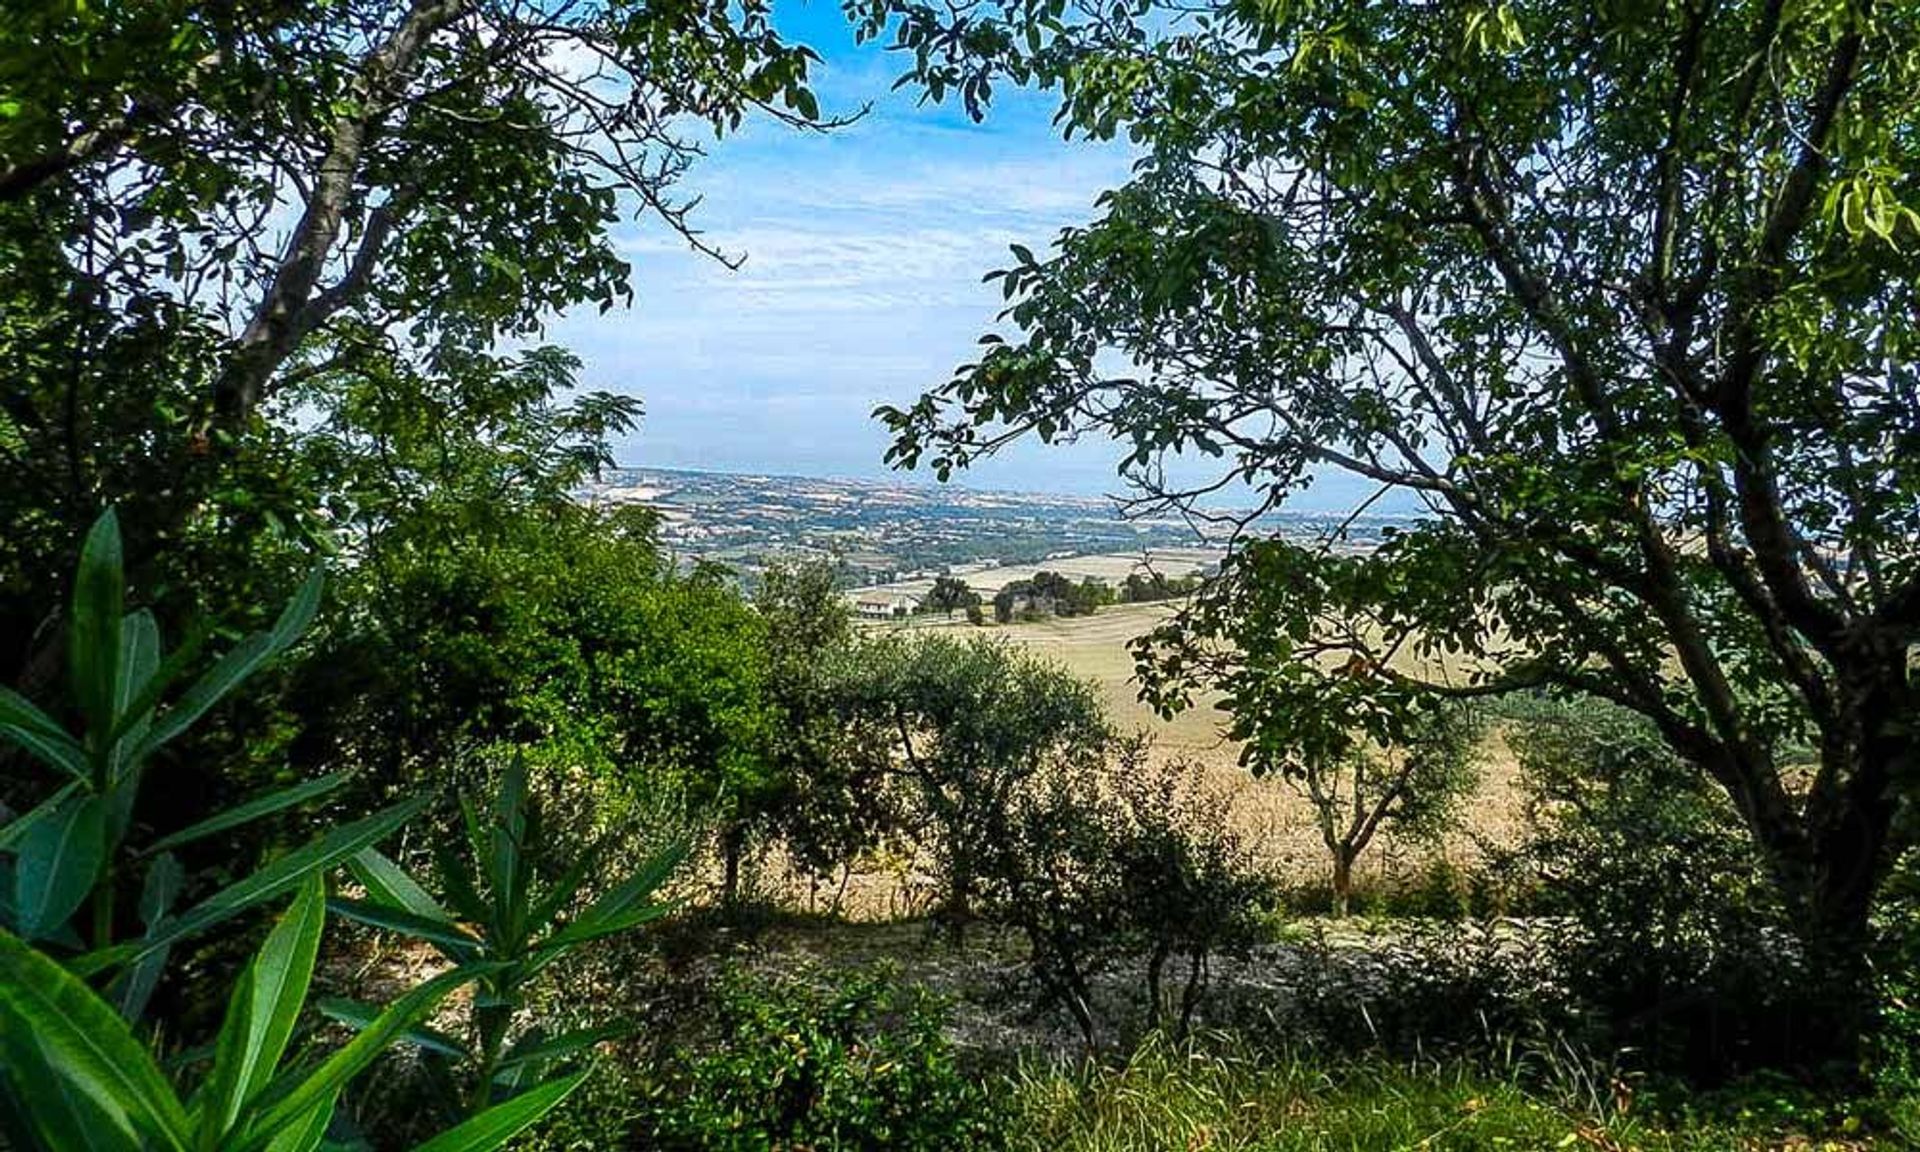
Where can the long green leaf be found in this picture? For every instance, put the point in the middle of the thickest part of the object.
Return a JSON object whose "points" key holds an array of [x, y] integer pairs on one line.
{"points": [[555, 899], [39, 734], [134, 987], [58, 1036], [93, 630], [65, 1119], [353, 1057], [317, 855], [139, 659], [250, 811], [305, 1133], [583, 930], [358, 1016], [558, 1047], [502, 1122], [461, 892], [617, 902], [507, 868], [263, 1010], [388, 883], [246, 658], [451, 939], [16, 830], [59, 859]]}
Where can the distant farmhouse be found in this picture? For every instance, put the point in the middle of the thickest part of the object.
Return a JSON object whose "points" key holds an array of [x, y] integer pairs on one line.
{"points": [[885, 604]]}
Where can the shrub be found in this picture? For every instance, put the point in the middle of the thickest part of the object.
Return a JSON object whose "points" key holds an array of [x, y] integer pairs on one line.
{"points": [[839, 1061], [1668, 931], [1096, 868]]}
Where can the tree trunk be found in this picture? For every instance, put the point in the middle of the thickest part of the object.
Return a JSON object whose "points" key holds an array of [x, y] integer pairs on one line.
{"points": [[733, 845], [1829, 867], [1342, 884]]}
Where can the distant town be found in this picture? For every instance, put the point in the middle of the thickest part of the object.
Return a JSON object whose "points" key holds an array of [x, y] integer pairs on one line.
{"points": [[893, 540]]}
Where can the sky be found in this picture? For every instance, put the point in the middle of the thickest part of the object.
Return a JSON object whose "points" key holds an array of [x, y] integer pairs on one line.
{"points": [[862, 254]]}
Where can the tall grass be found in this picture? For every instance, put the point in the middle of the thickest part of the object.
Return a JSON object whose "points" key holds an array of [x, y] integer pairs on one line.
{"points": [[1216, 1095]]}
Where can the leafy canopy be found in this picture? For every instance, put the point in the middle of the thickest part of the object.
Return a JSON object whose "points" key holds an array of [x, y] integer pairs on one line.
{"points": [[1620, 296]]}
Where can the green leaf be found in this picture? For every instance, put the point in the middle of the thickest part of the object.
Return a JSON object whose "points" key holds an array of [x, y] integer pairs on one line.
{"points": [[537, 1050], [263, 1010], [389, 883], [583, 930], [613, 911], [508, 863], [59, 860], [306, 1133], [246, 658], [16, 830], [352, 1058], [358, 1016], [250, 811], [93, 632], [458, 881], [67, 1120], [458, 945], [35, 731], [58, 1036], [502, 1122], [318, 855], [139, 661], [134, 987]]}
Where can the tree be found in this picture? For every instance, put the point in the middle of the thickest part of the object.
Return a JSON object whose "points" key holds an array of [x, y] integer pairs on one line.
{"points": [[963, 725], [1621, 299], [949, 593], [1412, 788], [203, 206], [829, 803]]}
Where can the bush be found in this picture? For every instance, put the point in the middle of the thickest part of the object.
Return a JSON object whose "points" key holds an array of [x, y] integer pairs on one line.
{"points": [[839, 1061], [1096, 868], [1668, 930]]}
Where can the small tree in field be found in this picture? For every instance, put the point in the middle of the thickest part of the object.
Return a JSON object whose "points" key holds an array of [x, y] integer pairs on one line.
{"points": [[949, 594], [1411, 788]]}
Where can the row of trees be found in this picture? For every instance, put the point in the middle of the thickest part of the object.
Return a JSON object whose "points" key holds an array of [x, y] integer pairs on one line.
{"points": [[1053, 594]]}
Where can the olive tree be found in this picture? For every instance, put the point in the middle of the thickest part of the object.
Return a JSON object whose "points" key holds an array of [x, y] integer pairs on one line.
{"points": [[962, 726], [1620, 299]]}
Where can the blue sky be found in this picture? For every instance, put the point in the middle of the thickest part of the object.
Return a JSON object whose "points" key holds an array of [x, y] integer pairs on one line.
{"points": [[864, 250]]}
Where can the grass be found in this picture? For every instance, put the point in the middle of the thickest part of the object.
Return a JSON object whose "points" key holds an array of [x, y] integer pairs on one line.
{"points": [[1220, 1098]]}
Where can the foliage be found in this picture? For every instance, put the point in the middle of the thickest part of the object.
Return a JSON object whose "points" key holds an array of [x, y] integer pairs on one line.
{"points": [[948, 594], [961, 726], [1410, 790], [87, 1082], [71, 850], [1141, 588], [1101, 866], [830, 804], [1622, 301], [1896, 1045], [509, 912], [828, 1060], [1667, 925], [1049, 594]]}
